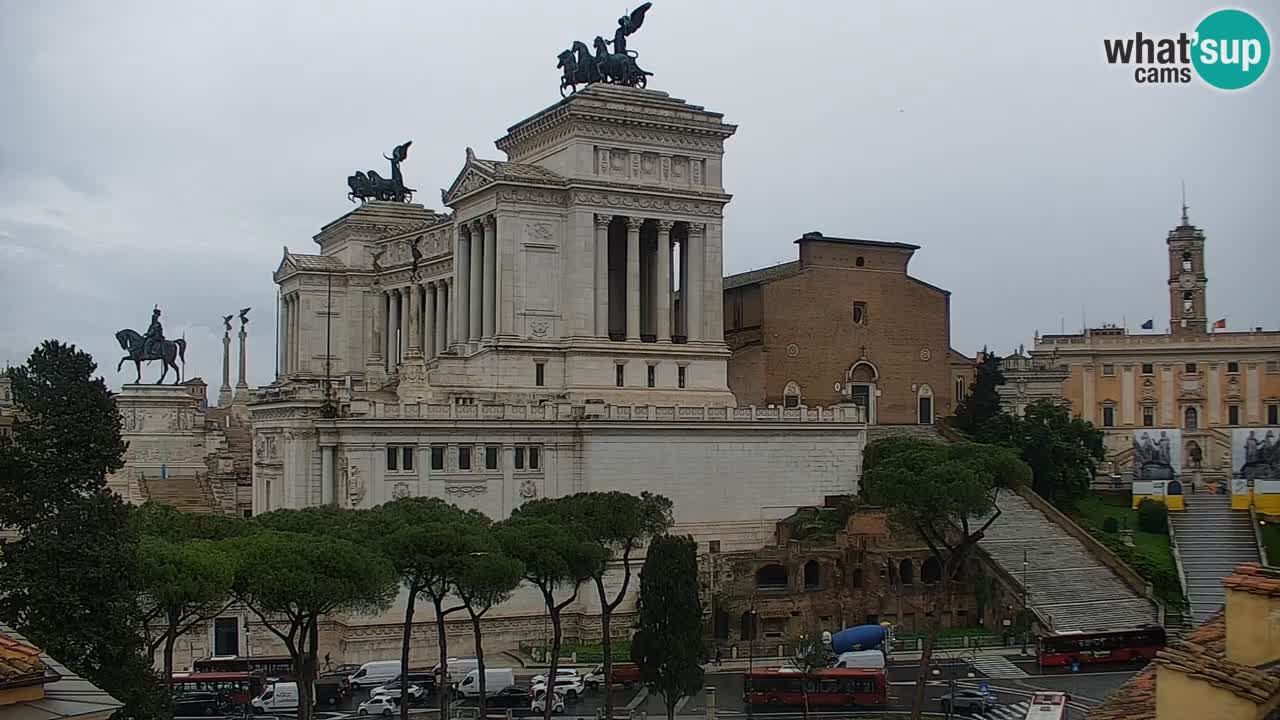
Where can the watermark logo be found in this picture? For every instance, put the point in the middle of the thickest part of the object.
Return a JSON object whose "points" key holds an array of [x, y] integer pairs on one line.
{"points": [[1229, 50]]}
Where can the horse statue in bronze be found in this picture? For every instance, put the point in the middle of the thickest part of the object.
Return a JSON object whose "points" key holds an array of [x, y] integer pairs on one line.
{"points": [[166, 351]]}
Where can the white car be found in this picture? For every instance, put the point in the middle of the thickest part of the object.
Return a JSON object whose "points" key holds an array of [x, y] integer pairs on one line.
{"points": [[392, 689], [568, 686], [560, 673], [380, 705], [539, 702]]}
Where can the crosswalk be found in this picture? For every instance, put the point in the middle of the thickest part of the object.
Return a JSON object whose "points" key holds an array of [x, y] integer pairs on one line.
{"points": [[1016, 711], [998, 666]]}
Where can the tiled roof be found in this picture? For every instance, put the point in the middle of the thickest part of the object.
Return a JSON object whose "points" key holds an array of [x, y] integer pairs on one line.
{"points": [[1253, 578], [322, 263], [752, 277], [18, 661], [520, 172], [66, 695], [1134, 700]]}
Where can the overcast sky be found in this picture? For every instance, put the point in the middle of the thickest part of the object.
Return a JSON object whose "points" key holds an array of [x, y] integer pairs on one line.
{"points": [[165, 152]]}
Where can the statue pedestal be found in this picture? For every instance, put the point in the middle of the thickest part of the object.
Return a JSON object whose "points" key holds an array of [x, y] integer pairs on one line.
{"points": [[413, 386]]}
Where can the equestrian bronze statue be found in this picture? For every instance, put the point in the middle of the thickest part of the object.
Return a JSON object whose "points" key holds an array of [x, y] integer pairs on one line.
{"points": [[152, 346]]}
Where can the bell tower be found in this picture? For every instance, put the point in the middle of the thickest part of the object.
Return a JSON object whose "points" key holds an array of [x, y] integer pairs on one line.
{"points": [[1187, 282]]}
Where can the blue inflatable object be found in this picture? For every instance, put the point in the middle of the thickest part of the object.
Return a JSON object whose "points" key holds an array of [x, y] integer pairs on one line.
{"points": [[862, 637]]}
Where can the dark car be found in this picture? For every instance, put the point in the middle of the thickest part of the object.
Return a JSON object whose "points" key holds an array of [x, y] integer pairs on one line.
{"points": [[341, 671], [198, 703], [511, 697], [330, 690], [965, 701]]}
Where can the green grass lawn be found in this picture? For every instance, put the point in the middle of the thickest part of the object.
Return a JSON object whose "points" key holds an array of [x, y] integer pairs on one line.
{"points": [[1153, 557], [1271, 539]]}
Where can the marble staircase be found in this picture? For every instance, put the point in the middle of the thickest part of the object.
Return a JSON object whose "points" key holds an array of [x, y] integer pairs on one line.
{"points": [[187, 494], [1212, 539], [1065, 583]]}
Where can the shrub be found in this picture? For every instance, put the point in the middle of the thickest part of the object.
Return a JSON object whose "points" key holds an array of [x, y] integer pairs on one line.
{"points": [[1153, 517], [1110, 525]]}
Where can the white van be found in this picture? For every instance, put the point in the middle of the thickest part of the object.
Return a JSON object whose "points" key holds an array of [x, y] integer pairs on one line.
{"points": [[277, 697], [871, 659], [458, 668], [372, 674], [495, 680]]}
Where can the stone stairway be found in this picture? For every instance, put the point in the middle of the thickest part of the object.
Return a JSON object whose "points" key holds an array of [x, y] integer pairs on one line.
{"points": [[187, 494], [1212, 540], [1065, 583]]}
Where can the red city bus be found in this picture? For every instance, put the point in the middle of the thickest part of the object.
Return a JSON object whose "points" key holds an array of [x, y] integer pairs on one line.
{"points": [[828, 688], [1100, 647], [237, 687], [276, 666]]}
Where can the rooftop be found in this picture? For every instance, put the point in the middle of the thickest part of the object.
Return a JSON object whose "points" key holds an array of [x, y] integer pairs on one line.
{"points": [[751, 277], [815, 235], [66, 695], [1253, 578], [316, 263]]}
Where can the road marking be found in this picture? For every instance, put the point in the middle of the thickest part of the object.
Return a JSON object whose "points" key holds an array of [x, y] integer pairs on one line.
{"points": [[1027, 693], [998, 666], [681, 703], [639, 698], [1017, 711]]}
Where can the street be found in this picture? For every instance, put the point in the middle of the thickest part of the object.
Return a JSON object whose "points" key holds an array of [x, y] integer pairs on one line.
{"points": [[1012, 683]]}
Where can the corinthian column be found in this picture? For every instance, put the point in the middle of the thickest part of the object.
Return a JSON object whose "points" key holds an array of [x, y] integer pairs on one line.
{"points": [[462, 285], [415, 319], [476, 301], [490, 289], [602, 275], [663, 281], [393, 331], [429, 320], [633, 278], [693, 304], [442, 314]]}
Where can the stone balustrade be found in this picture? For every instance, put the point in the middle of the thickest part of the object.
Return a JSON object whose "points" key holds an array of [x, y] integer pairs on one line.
{"points": [[591, 412]]}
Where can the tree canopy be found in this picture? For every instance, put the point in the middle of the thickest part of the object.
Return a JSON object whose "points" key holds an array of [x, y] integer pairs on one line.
{"points": [[982, 404], [1063, 452], [667, 645]]}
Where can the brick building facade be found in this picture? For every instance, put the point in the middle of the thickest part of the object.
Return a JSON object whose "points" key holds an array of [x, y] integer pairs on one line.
{"points": [[843, 324]]}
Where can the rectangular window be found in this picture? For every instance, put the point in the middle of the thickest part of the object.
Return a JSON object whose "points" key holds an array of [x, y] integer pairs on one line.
{"points": [[519, 457], [1190, 369], [1148, 369], [464, 457], [959, 389], [407, 464], [539, 374], [437, 457], [1233, 414], [713, 546], [1233, 367], [535, 457], [1148, 416], [859, 313], [1108, 416], [1108, 370], [1273, 414], [680, 376], [1273, 366], [653, 376], [490, 458], [393, 458], [617, 375], [226, 636]]}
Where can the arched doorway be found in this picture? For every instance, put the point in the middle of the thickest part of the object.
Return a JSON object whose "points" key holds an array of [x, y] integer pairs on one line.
{"points": [[924, 405], [906, 573], [930, 571], [812, 575], [791, 395], [721, 629], [863, 377]]}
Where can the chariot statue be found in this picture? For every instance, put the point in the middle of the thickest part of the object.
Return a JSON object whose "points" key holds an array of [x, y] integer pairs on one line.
{"points": [[617, 66], [372, 186]]}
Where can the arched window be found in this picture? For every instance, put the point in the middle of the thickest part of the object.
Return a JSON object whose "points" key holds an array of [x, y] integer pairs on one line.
{"points": [[860, 261], [771, 577], [1188, 302], [748, 627], [791, 395], [812, 575], [924, 405], [1186, 261], [905, 572], [930, 571], [1191, 419], [857, 578], [863, 377]]}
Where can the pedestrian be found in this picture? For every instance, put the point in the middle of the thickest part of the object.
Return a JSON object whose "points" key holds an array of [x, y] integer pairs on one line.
{"points": [[717, 656]]}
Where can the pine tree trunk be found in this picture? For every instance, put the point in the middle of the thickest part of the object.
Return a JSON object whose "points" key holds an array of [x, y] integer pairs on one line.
{"points": [[406, 638], [922, 673], [307, 679], [441, 637], [606, 644], [170, 639], [550, 702], [475, 631]]}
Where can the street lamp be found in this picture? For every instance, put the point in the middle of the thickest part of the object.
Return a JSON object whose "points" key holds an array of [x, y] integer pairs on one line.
{"points": [[751, 654], [965, 656], [1026, 619]]}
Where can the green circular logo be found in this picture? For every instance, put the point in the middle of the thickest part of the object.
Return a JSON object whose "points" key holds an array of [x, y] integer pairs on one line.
{"points": [[1232, 49]]}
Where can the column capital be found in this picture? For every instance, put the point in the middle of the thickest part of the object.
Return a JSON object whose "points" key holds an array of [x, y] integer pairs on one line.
{"points": [[478, 224], [603, 220], [697, 228], [634, 223], [665, 225], [464, 232], [490, 222]]}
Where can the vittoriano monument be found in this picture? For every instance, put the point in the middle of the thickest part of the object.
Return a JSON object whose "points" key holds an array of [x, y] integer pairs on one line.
{"points": [[152, 346], [372, 186], [618, 67]]}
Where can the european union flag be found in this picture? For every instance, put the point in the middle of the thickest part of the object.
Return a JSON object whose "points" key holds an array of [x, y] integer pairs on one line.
{"points": [[1149, 324]]}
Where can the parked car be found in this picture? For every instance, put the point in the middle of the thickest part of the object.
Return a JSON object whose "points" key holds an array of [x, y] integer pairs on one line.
{"points": [[382, 705], [560, 672], [539, 703], [392, 689], [511, 697], [277, 697], [198, 703], [568, 686], [623, 674], [495, 679], [965, 701], [372, 674]]}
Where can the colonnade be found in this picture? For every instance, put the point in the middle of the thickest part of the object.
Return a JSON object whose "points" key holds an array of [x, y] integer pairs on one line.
{"points": [[639, 265], [413, 319]]}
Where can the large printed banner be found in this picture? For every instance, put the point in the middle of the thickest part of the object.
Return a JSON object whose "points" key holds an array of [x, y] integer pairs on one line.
{"points": [[1255, 453], [1157, 454]]}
